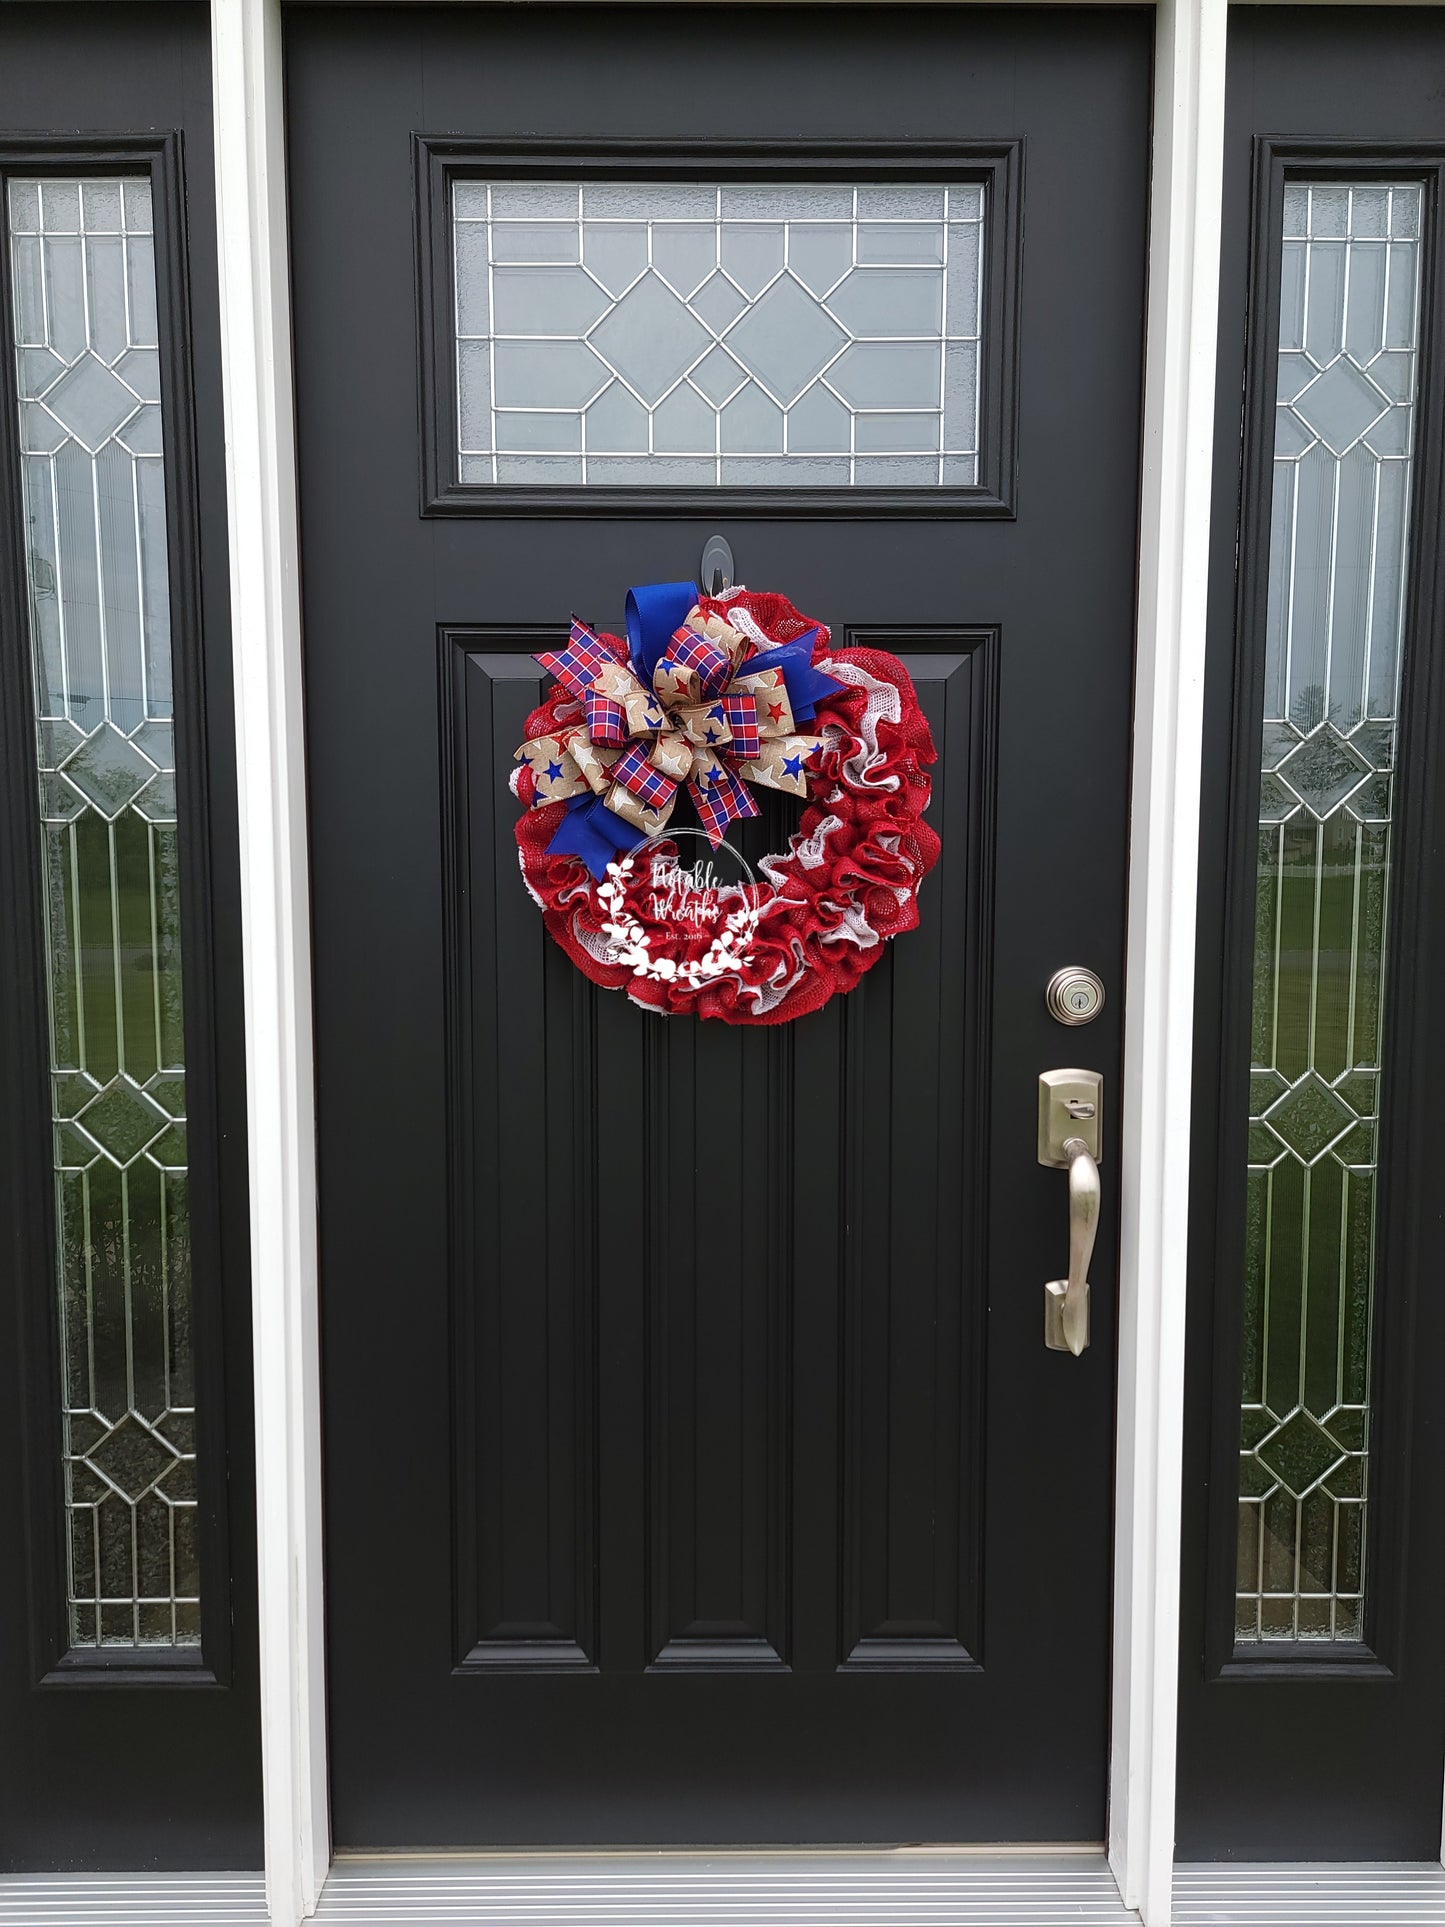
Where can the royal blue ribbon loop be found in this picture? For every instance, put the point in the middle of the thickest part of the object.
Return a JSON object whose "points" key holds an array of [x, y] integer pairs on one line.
{"points": [[806, 686], [654, 615], [595, 833]]}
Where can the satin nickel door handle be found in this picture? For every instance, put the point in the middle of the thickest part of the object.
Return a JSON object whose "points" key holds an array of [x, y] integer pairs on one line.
{"points": [[1070, 1104], [1066, 1300]]}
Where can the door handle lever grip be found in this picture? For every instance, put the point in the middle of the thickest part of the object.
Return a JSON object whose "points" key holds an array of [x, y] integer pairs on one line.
{"points": [[1070, 1315]]}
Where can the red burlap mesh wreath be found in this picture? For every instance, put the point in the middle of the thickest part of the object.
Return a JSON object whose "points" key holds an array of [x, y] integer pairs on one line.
{"points": [[847, 882]]}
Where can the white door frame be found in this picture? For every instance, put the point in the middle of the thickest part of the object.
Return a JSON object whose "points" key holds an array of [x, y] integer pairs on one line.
{"points": [[1184, 216], [256, 373]]}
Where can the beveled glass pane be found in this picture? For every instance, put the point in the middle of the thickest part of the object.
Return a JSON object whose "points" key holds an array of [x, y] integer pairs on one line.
{"points": [[99, 600], [675, 333], [1343, 455]]}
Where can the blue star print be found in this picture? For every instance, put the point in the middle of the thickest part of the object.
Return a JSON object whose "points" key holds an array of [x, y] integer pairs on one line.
{"points": [[554, 770], [793, 765]]}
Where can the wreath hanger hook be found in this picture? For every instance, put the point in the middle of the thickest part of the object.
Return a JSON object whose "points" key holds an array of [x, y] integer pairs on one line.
{"points": [[716, 572]]}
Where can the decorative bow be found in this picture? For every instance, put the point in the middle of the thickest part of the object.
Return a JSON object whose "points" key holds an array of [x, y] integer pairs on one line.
{"points": [[686, 700]]}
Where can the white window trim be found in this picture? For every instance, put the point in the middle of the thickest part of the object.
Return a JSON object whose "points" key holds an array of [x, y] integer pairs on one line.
{"points": [[1188, 135]]}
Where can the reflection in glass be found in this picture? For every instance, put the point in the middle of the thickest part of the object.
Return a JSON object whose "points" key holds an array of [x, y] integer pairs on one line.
{"points": [[661, 332], [1337, 570], [88, 367]]}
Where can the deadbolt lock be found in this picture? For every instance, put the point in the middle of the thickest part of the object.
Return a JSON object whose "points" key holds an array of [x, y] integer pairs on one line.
{"points": [[1074, 995]]}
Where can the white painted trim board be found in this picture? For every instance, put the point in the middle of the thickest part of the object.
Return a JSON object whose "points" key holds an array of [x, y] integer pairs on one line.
{"points": [[257, 382], [1176, 480]]}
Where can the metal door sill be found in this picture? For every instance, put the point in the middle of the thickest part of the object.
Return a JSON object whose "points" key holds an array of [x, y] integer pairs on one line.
{"points": [[907, 1887], [1311, 1894], [920, 1887], [133, 1900]]}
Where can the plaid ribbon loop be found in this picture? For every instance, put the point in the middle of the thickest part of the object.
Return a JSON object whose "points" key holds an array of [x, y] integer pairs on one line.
{"points": [[692, 670], [578, 666], [715, 718]]}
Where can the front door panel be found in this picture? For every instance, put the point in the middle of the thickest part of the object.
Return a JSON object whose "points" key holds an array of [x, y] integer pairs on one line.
{"points": [[696, 1469]]}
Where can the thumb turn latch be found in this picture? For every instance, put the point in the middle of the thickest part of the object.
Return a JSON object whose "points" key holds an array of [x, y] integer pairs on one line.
{"points": [[1070, 1103]]}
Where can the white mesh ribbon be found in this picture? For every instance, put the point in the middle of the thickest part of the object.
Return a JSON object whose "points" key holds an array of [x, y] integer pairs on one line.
{"points": [[884, 705]]}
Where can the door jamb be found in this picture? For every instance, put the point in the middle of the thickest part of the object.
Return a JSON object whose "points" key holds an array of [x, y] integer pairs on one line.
{"points": [[1181, 331], [1184, 216], [257, 385]]}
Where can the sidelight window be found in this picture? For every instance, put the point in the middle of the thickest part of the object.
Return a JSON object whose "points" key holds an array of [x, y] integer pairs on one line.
{"points": [[1344, 442], [93, 490]]}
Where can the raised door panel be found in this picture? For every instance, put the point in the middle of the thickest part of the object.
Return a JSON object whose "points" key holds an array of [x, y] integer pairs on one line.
{"points": [[677, 1246]]}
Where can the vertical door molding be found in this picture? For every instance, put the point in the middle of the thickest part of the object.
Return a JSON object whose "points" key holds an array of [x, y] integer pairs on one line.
{"points": [[276, 944], [1182, 328]]}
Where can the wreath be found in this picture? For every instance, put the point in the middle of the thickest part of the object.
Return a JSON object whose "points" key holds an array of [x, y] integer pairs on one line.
{"points": [[716, 695]]}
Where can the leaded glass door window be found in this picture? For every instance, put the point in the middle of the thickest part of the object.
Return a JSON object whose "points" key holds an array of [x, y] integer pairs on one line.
{"points": [[1344, 458], [88, 375], [692, 332], [767, 335]]}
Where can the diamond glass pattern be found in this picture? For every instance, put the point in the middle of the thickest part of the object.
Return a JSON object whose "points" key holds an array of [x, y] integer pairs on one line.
{"points": [[1298, 1454], [1341, 404], [100, 648], [109, 772], [1323, 771], [123, 1121], [90, 402], [1309, 1117], [1337, 569], [132, 1458], [657, 332], [786, 340], [650, 339]]}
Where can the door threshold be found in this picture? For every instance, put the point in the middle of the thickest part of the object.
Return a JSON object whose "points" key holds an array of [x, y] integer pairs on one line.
{"points": [[934, 1887], [900, 1887], [651, 1856], [846, 1887]]}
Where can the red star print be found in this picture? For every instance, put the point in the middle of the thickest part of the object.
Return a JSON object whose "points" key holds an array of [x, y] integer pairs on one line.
{"points": [[681, 684], [775, 712]]}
